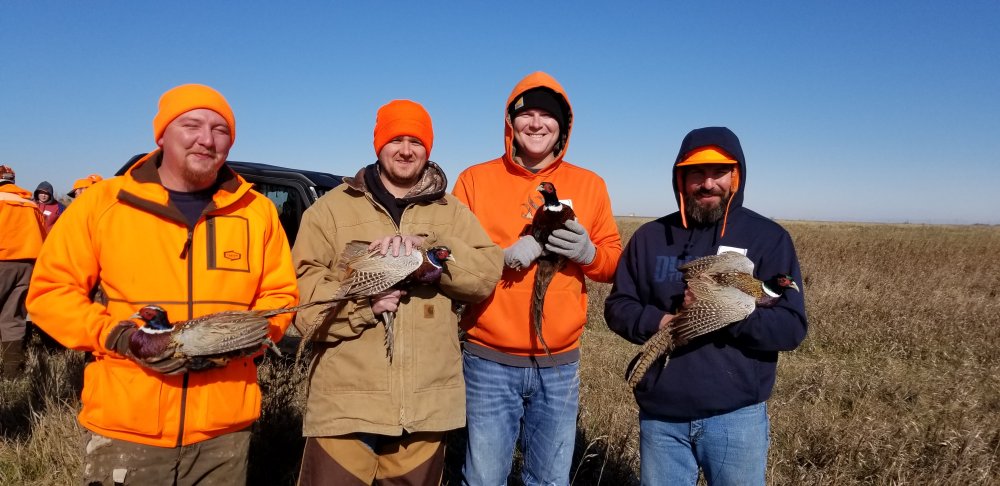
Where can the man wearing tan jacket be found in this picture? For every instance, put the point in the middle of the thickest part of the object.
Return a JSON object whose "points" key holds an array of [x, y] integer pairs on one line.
{"points": [[369, 418]]}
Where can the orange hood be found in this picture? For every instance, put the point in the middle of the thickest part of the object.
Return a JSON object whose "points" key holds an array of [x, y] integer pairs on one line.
{"points": [[537, 79]]}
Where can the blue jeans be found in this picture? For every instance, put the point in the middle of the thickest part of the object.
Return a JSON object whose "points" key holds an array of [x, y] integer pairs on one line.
{"points": [[730, 448], [504, 401]]}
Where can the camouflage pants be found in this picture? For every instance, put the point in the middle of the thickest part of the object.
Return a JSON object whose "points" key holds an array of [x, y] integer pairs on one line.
{"points": [[218, 461]]}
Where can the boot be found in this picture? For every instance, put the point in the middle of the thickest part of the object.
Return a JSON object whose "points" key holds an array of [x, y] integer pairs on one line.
{"points": [[13, 358]]}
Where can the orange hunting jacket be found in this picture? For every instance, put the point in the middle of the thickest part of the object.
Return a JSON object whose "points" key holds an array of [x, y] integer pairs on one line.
{"points": [[503, 195], [21, 225], [125, 236]]}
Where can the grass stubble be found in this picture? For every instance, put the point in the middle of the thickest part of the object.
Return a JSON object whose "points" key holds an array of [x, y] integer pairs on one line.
{"points": [[897, 382]]}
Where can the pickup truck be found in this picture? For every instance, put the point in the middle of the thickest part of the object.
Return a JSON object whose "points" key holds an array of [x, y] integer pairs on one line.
{"points": [[291, 190]]}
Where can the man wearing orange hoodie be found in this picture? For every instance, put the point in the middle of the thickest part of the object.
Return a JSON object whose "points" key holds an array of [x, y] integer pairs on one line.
{"points": [[513, 386], [182, 230], [21, 232]]}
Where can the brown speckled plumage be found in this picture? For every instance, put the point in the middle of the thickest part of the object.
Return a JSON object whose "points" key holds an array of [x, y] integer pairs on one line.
{"points": [[725, 291], [368, 272], [207, 341]]}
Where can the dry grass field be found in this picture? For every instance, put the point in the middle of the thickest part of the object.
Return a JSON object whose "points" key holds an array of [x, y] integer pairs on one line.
{"points": [[898, 381]]}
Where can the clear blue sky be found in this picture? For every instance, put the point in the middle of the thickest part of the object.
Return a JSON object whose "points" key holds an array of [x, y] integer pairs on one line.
{"points": [[849, 110]]}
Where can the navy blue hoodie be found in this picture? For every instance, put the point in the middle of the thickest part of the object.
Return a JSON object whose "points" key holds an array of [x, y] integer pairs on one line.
{"points": [[735, 366]]}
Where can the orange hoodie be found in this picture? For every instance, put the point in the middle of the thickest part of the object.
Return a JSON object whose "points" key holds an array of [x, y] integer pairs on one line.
{"points": [[123, 235], [503, 195], [22, 225]]}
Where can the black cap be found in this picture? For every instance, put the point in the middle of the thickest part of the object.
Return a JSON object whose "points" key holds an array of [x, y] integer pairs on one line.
{"points": [[542, 99]]}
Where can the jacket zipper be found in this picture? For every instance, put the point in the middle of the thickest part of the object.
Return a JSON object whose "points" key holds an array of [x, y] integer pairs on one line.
{"points": [[185, 254], [399, 374]]}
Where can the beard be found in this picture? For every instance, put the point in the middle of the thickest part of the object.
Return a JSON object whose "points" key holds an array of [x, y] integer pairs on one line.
{"points": [[706, 215], [203, 177]]}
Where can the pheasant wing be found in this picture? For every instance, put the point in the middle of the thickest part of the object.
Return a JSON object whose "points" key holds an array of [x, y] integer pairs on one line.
{"points": [[355, 250], [220, 333], [725, 262], [375, 273], [714, 307]]}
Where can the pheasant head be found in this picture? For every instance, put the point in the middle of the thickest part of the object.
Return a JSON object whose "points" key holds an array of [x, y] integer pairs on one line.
{"points": [[154, 335], [548, 191], [154, 319], [775, 287], [439, 254], [430, 271]]}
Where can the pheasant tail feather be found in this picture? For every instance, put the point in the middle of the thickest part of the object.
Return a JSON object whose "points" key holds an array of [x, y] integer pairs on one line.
{"points": [[659, 345], [545, 271], [387, 319]]}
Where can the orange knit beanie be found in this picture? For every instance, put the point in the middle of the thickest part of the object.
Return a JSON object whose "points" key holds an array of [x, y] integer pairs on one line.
{"points": [[187, 97], [403, 117]]}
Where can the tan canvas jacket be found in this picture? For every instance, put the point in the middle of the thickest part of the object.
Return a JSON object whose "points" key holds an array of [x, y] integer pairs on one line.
{"points": [[353, 387]]}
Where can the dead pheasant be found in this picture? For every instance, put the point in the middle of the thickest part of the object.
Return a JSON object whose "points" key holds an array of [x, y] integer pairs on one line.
{"points": [[368, 273], [724, 291], [552, 215], [208, 341]]}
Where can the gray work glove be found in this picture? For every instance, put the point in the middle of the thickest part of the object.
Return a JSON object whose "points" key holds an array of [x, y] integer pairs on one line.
{"points": [[573, 242], [522, 253], [165, 363]]}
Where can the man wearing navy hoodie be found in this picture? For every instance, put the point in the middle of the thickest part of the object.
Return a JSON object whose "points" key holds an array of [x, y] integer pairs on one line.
{"points": [[707, 408]]}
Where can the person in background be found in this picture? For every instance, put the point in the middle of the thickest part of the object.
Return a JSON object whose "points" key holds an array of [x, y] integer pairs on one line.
{"points": [[182, 230], [706, 410], [22, 231], [44, 197], [83, 184], [370, 419], [513, 386]]}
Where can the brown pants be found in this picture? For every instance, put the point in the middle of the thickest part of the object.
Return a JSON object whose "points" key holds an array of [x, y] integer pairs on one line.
{"points": [[14, 278], [218, 461], [410, 460]]}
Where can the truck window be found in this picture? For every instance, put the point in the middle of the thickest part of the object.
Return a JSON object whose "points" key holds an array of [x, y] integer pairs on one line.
{"points": [[288, 203]]}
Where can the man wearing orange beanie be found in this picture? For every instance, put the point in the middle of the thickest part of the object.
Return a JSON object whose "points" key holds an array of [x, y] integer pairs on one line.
{"points": [[372, 416], [181, 230]]}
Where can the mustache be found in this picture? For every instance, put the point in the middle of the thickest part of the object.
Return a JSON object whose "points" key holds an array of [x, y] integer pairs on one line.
{"points": [[709, 192]]}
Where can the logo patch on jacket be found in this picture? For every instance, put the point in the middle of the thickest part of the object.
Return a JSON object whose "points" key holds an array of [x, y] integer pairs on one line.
{"points": [[228, 243], [667, 268]]}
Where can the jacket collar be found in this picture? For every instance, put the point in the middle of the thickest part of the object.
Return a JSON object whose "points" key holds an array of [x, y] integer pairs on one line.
{"points": [[431, 186], [144, 189]]}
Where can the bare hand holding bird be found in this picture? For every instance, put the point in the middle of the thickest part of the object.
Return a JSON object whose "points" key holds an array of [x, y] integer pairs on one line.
{"points": [[720, 290], [382, 272]]}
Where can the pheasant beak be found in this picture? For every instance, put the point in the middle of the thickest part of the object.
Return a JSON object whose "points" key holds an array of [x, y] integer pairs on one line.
{"points": [[134, 316], [793, 285], [450, 258]]}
